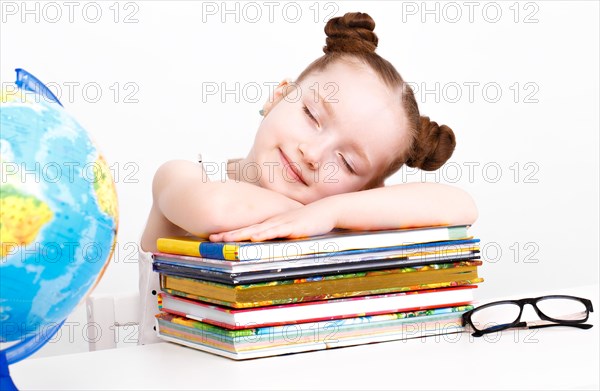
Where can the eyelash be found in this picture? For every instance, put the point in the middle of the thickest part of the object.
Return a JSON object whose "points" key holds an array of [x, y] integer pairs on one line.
{"points": [[309, 115], [348, 166]]}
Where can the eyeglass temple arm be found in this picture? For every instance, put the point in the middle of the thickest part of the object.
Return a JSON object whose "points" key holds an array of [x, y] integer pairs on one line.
{"points": [[498, 327], [583, 326], [531, 325]]}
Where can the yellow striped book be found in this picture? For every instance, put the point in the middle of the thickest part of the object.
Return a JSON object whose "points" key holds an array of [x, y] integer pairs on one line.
{"points": [[335, 241]]}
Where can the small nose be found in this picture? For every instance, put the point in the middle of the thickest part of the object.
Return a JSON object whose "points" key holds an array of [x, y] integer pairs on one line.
{"points": [[312, 153]]}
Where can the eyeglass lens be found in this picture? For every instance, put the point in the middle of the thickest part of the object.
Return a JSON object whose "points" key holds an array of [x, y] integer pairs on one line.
{"points": [[562, 308], [495, 315], [558, 308]]}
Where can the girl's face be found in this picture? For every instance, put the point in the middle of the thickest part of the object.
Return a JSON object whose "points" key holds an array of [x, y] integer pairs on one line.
{"points": [[332, 133]]}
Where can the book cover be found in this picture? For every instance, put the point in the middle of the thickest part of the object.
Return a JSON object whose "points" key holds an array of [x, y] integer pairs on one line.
{"points": [[323, 287], [293, 338], [287, 249], [317, 310]]}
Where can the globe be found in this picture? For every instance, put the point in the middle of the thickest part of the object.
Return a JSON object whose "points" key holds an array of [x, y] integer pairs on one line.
{"points": [[58, 215]]}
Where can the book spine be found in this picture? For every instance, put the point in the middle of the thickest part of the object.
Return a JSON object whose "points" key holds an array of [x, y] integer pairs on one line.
{"points": [[222, 251], [180, 247]]}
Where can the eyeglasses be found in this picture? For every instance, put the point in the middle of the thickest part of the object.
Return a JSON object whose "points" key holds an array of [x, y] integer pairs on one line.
{"points": [[555, 310]]}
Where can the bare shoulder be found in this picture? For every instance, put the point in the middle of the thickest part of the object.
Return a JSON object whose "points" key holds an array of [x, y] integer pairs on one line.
{"points": [[169, 175], [177, 171]]}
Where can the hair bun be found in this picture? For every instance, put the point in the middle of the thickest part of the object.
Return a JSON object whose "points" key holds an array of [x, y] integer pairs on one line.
{"points": [[351, 33], [432, 147]]}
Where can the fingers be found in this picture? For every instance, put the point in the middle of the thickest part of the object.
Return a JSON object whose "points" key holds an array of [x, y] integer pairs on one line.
{"points": [[231, 236], [236, 235], [255, 233], [278, 231], [216, 237], [228, 236]]}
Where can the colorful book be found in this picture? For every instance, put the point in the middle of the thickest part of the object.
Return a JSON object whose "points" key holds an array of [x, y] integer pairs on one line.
{"points": [[316, 311], [294, 338], [324, 287], [287, 249], [399, 255], [176, 269]]}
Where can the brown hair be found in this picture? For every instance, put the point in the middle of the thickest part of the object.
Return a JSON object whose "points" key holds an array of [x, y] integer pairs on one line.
{"points": [[351, 37]]}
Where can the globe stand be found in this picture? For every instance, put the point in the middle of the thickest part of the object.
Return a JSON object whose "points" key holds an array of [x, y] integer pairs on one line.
{"points": [[6, 383], [21, 351]]}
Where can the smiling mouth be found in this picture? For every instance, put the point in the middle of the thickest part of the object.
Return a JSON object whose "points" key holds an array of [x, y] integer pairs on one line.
{"points": [[292, 169]]}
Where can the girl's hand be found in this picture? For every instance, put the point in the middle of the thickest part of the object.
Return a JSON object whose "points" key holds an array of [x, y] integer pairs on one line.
{"points": [[312, 219]]}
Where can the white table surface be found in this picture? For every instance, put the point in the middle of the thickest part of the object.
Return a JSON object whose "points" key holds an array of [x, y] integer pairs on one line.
{"points": [[552, 358]]}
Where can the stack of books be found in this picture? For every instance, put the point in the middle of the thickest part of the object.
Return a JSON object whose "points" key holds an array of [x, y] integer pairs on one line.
{"points": [[255, 299]]}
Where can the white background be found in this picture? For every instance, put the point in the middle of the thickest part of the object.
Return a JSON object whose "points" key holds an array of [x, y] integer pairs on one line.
{"points": [[528, 156]]}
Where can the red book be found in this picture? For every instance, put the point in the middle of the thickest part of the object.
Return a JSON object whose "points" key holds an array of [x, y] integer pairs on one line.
{"points": [[316, 311]]}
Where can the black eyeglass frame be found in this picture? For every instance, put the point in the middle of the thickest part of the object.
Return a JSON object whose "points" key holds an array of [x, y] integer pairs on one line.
{"points": [[579, 323]]}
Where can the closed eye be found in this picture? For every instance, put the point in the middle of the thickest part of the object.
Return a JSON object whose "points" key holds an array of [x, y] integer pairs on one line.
{"points": [[309, 114], [348, 166]]}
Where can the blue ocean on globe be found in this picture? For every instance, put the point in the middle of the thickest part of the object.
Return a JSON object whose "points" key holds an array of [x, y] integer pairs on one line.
{"points": [[58, 214]]}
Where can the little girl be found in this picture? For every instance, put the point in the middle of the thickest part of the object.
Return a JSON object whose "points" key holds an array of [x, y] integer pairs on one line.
{"points": [[319, 161]]}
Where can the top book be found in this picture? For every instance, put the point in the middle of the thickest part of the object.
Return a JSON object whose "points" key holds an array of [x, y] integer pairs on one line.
{"points": [[289, 249]]}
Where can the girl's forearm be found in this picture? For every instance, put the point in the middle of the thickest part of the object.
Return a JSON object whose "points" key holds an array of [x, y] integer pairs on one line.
{"points": [[240, 204], [403, 206], [219, 207], [185, 197]]}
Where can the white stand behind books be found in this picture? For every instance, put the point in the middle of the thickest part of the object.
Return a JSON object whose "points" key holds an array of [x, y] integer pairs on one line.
{"points": [[105, 313]]}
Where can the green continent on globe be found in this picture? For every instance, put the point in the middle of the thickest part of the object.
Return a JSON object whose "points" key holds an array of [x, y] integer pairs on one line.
{"points": [[104, 188], [22, 216]]}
